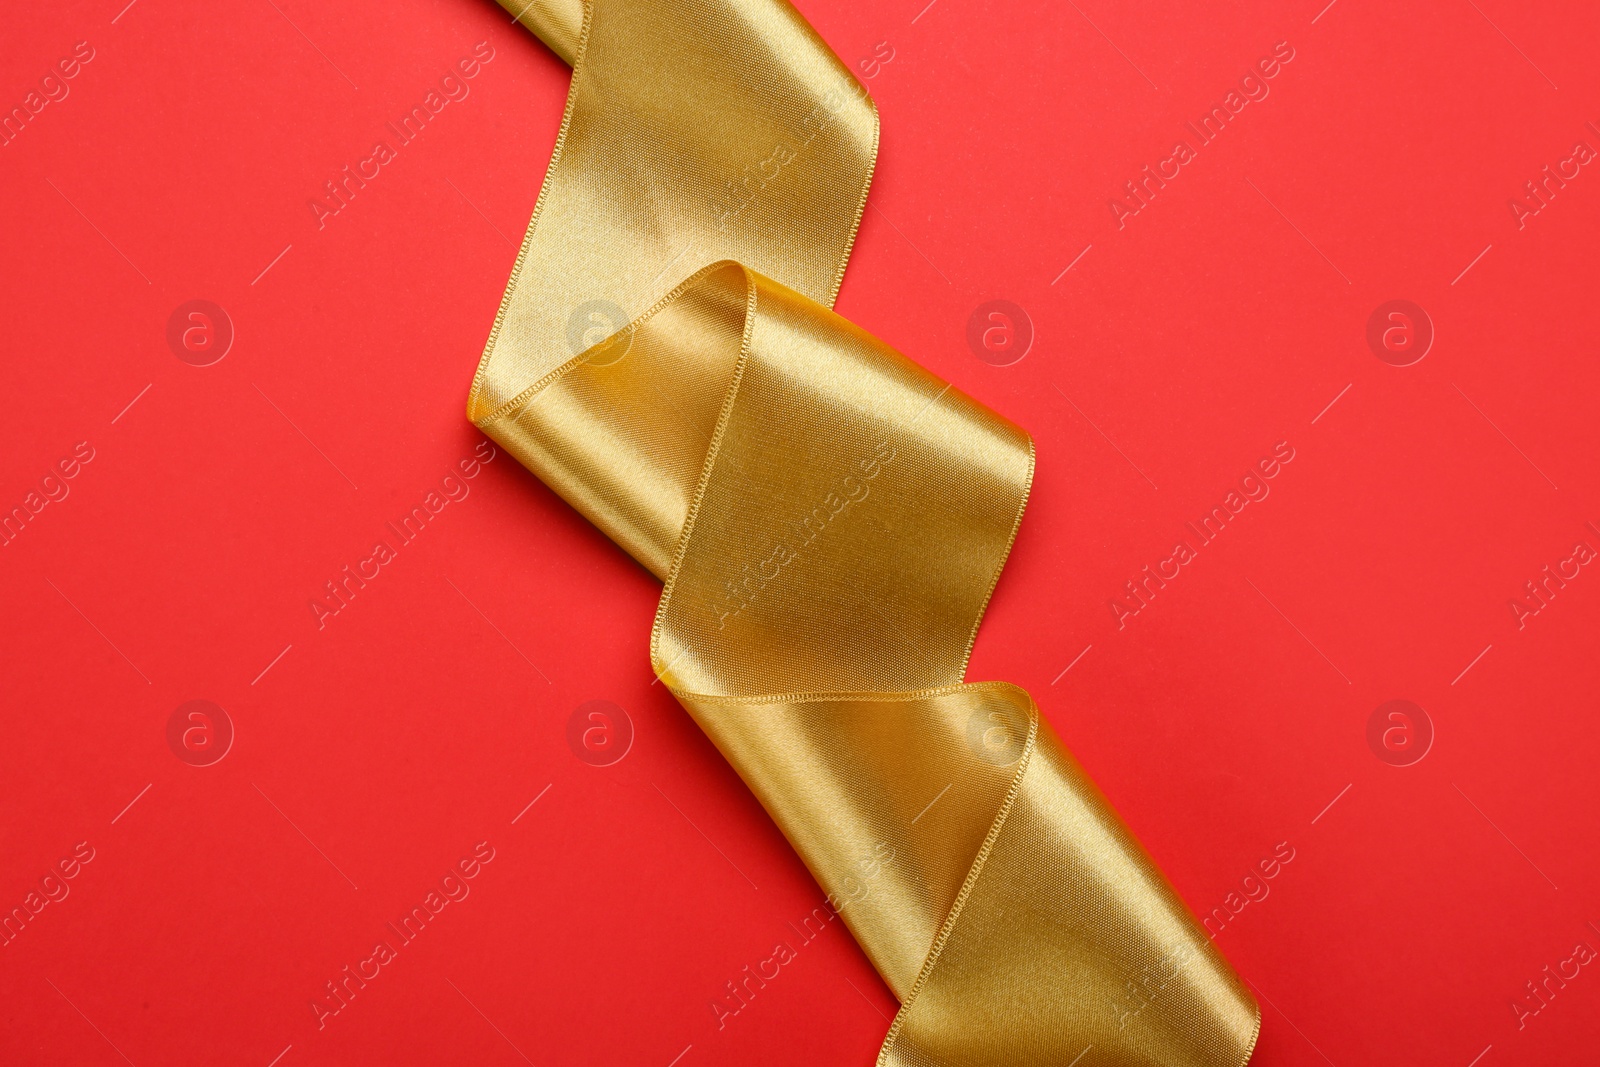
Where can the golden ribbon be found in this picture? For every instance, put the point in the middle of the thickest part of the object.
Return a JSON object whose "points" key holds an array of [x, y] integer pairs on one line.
{"points": [[829, 520]]}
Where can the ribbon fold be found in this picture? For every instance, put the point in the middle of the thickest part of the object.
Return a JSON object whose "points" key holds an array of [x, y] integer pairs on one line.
{"points": [[829, 520]]}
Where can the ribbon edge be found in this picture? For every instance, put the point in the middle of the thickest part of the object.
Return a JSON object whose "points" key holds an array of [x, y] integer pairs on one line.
{"points": [[481, 375], [967, 885]]}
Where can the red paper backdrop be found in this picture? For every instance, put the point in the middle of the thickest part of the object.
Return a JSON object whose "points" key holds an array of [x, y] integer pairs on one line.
{"points": [[1174, 347]]}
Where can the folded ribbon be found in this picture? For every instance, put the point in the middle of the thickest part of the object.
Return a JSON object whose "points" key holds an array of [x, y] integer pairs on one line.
{"points": [[829, 520]]}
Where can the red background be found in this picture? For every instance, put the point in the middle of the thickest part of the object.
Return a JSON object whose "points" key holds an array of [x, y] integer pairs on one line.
{"points": [[1222, 719]]}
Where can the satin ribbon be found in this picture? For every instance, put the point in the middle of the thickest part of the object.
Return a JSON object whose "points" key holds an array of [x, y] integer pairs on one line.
{"points": [[829, 520]]}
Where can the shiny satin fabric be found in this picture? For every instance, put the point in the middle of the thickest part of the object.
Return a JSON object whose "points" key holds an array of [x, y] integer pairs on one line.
{"points": [[829, 521]]}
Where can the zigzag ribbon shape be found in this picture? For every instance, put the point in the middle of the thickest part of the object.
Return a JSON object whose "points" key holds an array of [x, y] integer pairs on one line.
{"points": [[829, 521]]}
